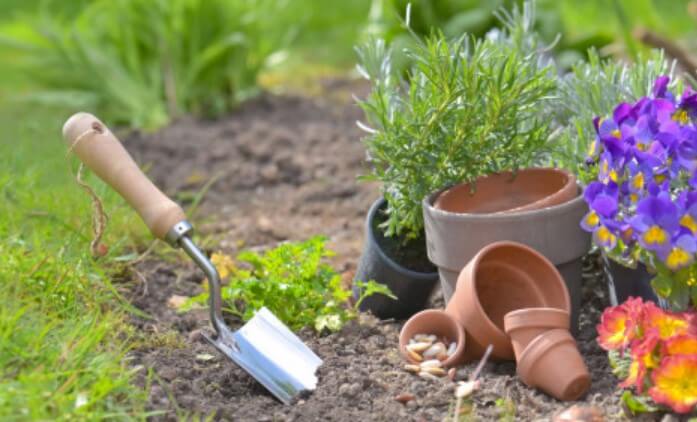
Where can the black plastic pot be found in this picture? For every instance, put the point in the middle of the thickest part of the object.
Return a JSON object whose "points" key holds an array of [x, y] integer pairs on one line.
{"points": [[412, 289], [623, 282]]}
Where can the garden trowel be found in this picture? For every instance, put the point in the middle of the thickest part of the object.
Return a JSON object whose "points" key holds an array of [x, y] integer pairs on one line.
{"points": [[264, 346]]}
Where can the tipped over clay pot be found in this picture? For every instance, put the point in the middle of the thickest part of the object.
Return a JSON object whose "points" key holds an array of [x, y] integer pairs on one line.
{"points": [[523, 325], [503, 277], [438, 322], [527, 189], [552, 363]]}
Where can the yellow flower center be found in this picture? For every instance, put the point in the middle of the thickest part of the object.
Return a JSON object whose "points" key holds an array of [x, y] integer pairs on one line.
{"points": [[633, 197], [655, 236], [638, 181], [681, 117], [678, 258], [605, 236], [689, 222], [659, 178], [592, 219], [616, 133], [613, 176], [642, 146]]}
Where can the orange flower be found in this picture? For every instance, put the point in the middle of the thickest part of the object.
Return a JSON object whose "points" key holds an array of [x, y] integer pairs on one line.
{"points": [[618, 325], [675, 383], [682, 345], [668, 324], [644, 357]]}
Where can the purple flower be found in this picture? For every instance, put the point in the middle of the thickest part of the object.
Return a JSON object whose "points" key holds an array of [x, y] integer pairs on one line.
{"points": [[655, 221], [660, 86], [602, 200], [645, 195], [681, 253]]}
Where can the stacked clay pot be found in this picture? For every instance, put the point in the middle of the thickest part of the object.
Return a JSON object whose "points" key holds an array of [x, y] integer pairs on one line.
{"points": [[512, 297], [546, 354]]}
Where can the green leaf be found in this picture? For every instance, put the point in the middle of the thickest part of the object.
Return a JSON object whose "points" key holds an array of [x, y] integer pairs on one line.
{"points": [[637, 404]]}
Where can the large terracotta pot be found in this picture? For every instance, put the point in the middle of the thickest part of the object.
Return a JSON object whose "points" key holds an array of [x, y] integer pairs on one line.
{"points": [[456, 227], [528, 189], [503, 277]]}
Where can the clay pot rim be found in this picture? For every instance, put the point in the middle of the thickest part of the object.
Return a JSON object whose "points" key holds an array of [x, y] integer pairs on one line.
{"points": [[535, 317], [538, 347], [566, 176], [507, 243], [501, 216], [389, 261], [460, 341]]}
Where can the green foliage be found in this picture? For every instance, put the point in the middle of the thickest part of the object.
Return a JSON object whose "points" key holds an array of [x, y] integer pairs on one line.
{"points": [[292, 281], [144, 62], [507, 409], [635, 405], [469, 108], [594, 89], [575, 25], [63, 337]]}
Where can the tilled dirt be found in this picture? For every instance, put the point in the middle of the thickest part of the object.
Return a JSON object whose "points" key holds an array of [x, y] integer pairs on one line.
{"points": [[285, 168]]}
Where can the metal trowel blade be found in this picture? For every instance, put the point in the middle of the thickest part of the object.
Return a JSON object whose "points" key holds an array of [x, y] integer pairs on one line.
{"points": [[273, 355]]}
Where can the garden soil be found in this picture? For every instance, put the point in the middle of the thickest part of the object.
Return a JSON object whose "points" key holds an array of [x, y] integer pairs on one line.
{"points": [[284, 168]]}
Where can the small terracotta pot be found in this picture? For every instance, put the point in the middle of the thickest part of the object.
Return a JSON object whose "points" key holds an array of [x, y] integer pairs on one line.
{"points": [[503, 277], [552, 363], [438, 322], [525, 190], [523, 325]]}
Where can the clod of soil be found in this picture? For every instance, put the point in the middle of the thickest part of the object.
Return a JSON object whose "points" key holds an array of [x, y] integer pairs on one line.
{"points": [[285, 168]]}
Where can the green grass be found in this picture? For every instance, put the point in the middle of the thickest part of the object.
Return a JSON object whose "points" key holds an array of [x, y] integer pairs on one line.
{"points": [[62, 330]]}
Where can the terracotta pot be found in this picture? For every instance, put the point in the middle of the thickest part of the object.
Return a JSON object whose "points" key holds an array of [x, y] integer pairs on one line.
{"points": [[412, 288], [433, 321], [453, 238], [523, 325], [503, 277], [527, 189], [552, 363]]}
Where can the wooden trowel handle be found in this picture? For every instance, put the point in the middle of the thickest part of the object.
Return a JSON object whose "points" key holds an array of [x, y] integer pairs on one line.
{"points": [[99, 149]]}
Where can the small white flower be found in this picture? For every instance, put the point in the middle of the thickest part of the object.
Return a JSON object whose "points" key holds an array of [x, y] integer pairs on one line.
{"points": [[80, 400]]}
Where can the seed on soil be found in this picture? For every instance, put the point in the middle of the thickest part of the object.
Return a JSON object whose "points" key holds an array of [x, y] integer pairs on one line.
{"points": [[404, 398], [419, 347], [433, 363], [435, 350], [434, 370], [452, 348], [414, 356], [580, 413], [428, 376], [412, 368], [465, 388]]}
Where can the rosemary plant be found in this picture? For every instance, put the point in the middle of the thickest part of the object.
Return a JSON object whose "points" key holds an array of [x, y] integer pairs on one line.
{"points": [[467, 107], [592, 89]]}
